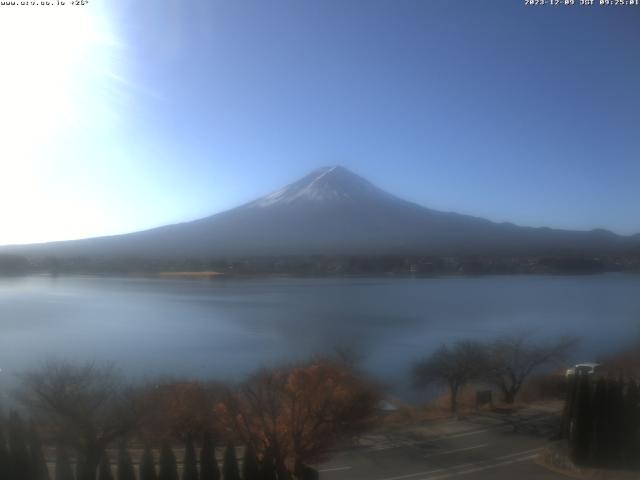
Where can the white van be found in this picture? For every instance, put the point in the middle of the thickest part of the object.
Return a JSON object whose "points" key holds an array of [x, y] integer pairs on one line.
{"points": [[584, 369]]}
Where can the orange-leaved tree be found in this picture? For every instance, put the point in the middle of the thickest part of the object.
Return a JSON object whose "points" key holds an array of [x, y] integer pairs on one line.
{"points": [[294, 416]]}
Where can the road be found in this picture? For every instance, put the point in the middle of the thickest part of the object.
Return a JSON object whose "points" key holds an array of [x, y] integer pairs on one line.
{"points": [[489, 446]]}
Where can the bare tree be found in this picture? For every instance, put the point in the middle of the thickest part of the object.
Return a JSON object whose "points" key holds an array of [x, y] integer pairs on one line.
{"points": [[85, 406], [179, 409], [452, 366], [512, 359], [296, 415]]}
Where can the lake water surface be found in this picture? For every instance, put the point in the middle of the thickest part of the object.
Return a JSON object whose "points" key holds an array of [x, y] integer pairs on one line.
{"points": [[226, 328]]}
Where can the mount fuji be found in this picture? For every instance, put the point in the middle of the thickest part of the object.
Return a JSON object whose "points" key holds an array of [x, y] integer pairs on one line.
{"points": [[333, 211]]}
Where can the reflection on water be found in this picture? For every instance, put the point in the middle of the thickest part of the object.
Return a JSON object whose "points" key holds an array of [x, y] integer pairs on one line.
{"points": [[226, 328]]}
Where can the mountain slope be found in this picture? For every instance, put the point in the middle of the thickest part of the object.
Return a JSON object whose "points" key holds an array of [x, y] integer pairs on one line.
{"points": [[334, 211]]}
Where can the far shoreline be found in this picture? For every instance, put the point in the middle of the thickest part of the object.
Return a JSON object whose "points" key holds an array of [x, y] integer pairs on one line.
{"points": [[189, 275], [215, 275]]}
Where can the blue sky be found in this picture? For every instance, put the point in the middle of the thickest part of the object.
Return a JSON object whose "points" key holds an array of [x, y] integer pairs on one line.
{"points": [[124, 115]]}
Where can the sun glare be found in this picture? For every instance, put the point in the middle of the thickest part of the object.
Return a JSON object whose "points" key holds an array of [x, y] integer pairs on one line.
{"points": [[47, 55], [57, 62]]}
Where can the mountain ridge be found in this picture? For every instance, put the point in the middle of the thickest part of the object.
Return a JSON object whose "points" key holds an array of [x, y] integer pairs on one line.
{"points": [[334, 211]]}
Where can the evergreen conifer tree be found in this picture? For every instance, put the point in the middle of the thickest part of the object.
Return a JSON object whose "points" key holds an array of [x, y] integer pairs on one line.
{"points": [[208, 463], [104, 468], [250, 468], [19, 459], [581, 428], [230, 469], [63, 469], [569, 406], [82, 469], [190, 462], [599, 423], [39, 469], [282, 472], [147, 469], [125, 465], [267, 467], [615, 422], [168, 464], [4, 456], [632, 416]]}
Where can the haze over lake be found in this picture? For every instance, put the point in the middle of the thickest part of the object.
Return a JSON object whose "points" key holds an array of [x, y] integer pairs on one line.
{"points": [[226, 328]]}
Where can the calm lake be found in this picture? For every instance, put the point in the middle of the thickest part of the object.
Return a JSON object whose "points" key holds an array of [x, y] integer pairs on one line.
{"points": [[226, 328]]}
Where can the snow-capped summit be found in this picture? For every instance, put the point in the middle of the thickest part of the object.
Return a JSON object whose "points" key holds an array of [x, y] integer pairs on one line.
{"points": [[326, 184]]}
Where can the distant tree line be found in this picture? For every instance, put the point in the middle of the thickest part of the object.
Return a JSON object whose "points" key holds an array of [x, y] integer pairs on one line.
{"points": [[282, 419], [505, 363], [601, 422], [14, 265], [362, 264]]}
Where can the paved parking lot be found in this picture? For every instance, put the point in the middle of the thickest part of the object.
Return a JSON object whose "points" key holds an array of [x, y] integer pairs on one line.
{"points": [[489, 446]]}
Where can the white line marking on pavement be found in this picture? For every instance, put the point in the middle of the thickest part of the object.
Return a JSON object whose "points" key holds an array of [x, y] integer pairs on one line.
{"points": [[390, 447], [456, 450], [395, 445], [464, 434], [478, 465], [524, 452], [481, 468], [334, 469], [400, 477]]}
